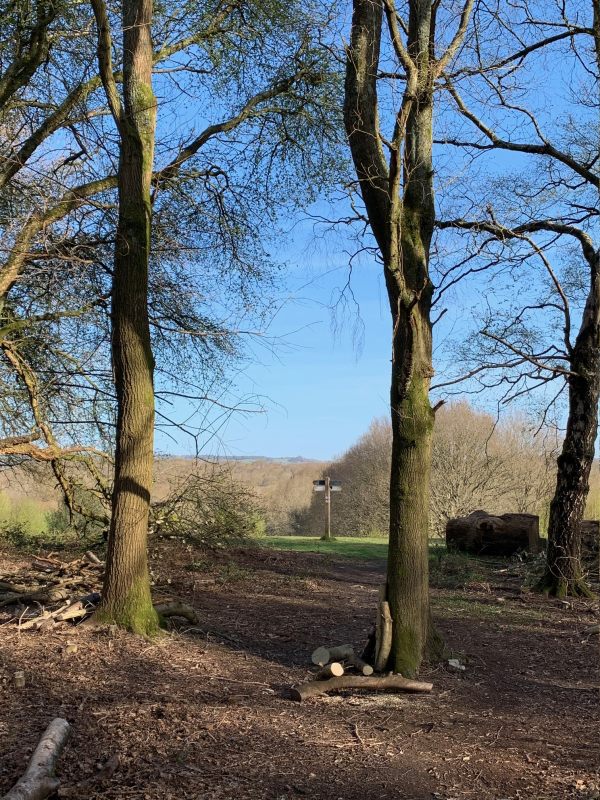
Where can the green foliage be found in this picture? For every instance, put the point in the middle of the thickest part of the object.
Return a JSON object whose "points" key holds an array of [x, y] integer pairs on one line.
{"points": [[27, 526], [15, 536], [451, 570], [27, 517], [57, 521], [211, 509]]}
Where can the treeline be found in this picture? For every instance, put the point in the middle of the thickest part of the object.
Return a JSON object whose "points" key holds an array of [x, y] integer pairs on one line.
{"points": [[478, 462]]}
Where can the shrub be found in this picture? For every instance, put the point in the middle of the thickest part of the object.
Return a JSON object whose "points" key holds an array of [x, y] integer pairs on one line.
{"points": [[209, 508]]}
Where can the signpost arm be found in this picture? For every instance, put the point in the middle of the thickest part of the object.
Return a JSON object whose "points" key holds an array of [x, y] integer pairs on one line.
{"points": [[328, 508]]}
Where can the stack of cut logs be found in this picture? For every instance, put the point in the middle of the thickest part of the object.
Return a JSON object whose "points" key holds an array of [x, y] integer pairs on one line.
{"points": [[334, 663], [50, 592]]}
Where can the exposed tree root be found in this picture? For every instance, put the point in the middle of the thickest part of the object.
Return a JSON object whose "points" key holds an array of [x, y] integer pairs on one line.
{"points": [[561, 587]]}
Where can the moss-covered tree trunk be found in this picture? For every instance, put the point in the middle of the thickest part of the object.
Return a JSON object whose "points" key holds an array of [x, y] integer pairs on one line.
{"points": [[126, 596], [563, 574], [399, 199], [410, 290]]}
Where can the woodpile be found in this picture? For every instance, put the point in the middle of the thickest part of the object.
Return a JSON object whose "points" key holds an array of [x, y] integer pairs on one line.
{"points": [[50, 592], [481, 533], [332, 675]]}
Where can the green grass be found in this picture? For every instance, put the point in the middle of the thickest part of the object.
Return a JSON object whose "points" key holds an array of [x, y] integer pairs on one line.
{"points": [[346, 546]]}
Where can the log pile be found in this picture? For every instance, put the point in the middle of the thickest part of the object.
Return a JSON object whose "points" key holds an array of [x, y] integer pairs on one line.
{"points": [[50, 592], [481, 533], [332, 675]]}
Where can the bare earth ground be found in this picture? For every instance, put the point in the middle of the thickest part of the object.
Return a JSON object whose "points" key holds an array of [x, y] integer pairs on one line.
{"points": [[203, 713]]}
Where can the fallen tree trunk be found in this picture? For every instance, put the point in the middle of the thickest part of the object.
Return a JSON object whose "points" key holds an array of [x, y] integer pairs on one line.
{"points": [[38, 781], [487, 534], [315, 688]]}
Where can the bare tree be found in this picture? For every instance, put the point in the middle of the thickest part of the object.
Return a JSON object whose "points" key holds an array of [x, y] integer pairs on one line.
{"points": [[553, 224], [477, 462]]}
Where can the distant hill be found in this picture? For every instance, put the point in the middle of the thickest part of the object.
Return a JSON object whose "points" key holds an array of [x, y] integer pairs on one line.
{"points": [[282, 485], [276, 460]]}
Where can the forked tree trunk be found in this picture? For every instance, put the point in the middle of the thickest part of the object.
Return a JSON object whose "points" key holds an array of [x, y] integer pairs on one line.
{"points": [[563, 575], [126, 596], [399, 200]]}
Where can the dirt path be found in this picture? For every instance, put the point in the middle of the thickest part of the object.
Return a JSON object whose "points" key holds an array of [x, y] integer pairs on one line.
{"points": [[203, 713]]}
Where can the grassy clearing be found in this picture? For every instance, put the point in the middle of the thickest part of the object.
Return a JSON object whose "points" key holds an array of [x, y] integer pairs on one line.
{"points": [[372, 548], [347, 546]]}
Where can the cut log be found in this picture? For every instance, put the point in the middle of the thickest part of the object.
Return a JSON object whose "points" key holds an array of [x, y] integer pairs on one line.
{"points": [[592, 629], [45, 564], [360, 665], [39, 782], [93, 559], [377, 684], [75, 611], [36, 621], [323, 655], [384, 642], [176, 609], [485, 534], [333, 670]]}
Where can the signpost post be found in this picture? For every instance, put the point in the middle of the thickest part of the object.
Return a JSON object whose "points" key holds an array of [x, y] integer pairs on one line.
{"points": [[328, 486]]}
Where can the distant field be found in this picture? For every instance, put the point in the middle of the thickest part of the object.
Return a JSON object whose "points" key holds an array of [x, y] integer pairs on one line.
{"points": [[347, 546]]}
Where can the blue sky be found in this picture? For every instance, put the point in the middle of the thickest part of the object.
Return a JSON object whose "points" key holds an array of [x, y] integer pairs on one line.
{"points": [[328, 380], [327, 375], [323, 384]]}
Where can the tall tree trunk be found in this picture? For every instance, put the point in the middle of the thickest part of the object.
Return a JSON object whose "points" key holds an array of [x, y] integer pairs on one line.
{"points": [[398, 196], [126, 596], [563, 575], [410, 292]]}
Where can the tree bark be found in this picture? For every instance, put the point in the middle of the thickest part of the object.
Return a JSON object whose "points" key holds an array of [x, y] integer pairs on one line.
{"points": [[399, 200], [563, 574], [126, 597]]}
